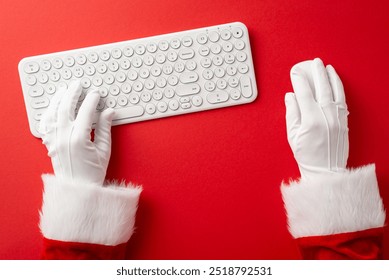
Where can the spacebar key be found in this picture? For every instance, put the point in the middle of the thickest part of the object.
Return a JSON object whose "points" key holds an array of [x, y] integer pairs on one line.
{"points": [[128, 112]]}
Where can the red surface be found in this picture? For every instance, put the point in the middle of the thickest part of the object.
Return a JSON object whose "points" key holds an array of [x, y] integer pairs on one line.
{"points": [[211, 179]]}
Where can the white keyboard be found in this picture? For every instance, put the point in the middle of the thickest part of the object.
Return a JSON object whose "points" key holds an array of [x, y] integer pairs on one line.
{"points": [[148, 78]]}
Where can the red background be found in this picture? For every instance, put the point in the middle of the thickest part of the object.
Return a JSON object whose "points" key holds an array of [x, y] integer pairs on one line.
{"points": [[211, 179]]}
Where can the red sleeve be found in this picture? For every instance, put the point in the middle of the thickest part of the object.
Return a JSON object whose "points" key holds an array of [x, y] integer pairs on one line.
{"points": [[59, 250], [85, 221], [359, 245], [336, 215]]}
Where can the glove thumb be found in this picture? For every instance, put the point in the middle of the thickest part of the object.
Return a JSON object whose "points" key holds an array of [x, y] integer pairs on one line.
{"points": [[293, 116], [103, 131]]}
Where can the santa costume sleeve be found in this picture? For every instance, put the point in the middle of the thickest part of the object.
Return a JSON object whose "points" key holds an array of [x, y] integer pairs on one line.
{"points": [[81, 221], [337, 215]]}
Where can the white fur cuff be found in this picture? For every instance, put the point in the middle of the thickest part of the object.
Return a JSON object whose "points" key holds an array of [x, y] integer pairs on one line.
{"points": [[334, 203], [76, 212]]}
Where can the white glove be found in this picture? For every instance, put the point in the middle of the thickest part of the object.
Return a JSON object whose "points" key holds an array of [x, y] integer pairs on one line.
{"points": [[68, 139], [316, 119]]}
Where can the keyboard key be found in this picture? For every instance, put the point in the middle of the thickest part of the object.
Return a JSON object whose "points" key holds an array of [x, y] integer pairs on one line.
{"points": [[209, 85], [173, 105], [243, 68], [31, 80], [150, 108], [229, 58], [225, 34], [160, 58], [126, 88], [161, 82], [221, 84], [169, 92], [93, 57], [202, 38], [197, 100], [105, 55], [97, 81], [185, 105], [120, 77], [90, 70], [235, 94], [241, 56], [116, 53], [175, 43], [85, 82], [239, 45], [50, 88], [172, 80], [162, 106], [149, 84], [163, 45], [78, 72], [188, 89], [204, 50], [187, 41], [152, 47], [36, 91], [81, 59], [57, 63], [227, 46], [217, 97], [46, 65], [102, 68], [54, 76], [140, 49], [111, 103], [145, 96], [207, 74], [125, 64], [186, 53], [191, 65], [108, 78], [66, 74], [216, 48], [214, 36], [103, 92], [245, 85], [134, 98], [137, 62], [172, 56], [157, 94], [114, 90], [132, 75], [113, 66], [233, 82], [188, 77], [41, 102], [128, 51], [128, 112], [31, 67], [237, 32], [219, 72]]}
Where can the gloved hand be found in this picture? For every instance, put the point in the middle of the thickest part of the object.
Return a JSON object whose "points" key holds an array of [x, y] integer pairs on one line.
{"points": [[68, 139], [316, 119]]}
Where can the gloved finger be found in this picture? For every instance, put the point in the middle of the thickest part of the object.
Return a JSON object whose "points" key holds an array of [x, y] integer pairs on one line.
{"points": [[301, 87], [293, 116], [336, 85], [323, 92], [87, 112], [49, 118], [103, 131], [66, 110]]}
